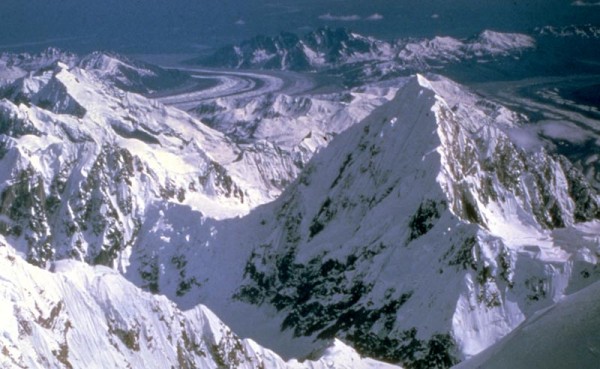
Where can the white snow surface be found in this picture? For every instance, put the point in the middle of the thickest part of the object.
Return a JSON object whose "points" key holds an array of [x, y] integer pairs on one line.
{"points": [[564, 335], [78, 316], [422, 53], [175, 148]]}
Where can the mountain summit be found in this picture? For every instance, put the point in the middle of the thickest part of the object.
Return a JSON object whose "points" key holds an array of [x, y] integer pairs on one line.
{"points": [[407, 236]]}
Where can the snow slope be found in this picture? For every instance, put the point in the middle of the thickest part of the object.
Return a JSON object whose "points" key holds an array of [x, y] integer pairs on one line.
{"points": [[565, 335], [298, 126], [81, 160], [78, 316], [116, 70]]}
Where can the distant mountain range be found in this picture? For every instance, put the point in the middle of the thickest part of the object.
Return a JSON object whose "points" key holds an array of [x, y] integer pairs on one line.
{"points": [[587, 31], [358, 59], [326, 48]]}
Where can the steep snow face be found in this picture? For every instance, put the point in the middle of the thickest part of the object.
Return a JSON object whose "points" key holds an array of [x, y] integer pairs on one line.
{"points": [[82, 161], [80, 316], [564, 335], [421, 235], [93, 173], [490, 181]]}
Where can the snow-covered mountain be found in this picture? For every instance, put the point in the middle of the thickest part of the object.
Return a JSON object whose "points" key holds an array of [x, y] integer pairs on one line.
{"points": [[81, 161], [117, 70], [421, 236], [315, 118], [131, 75], [586, 31], [318, 49], [488, 53], [83, 164], [78, 316], [18, 65], [439, 50], [326, 48], [421, 232]]}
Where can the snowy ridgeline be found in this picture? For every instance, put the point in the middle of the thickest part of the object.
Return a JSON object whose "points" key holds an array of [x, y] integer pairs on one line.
{"points": [[72, 143], [78, 316], [127, 74], [327, 48], [420, 235]]}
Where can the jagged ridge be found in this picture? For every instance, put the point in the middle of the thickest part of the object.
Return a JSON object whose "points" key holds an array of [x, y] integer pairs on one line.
{"points": [[328, 48], [82, 166], [80, 316]]}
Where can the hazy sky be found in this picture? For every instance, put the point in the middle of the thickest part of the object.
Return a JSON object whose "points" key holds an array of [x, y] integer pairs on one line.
{"points": [[189, 25]]}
